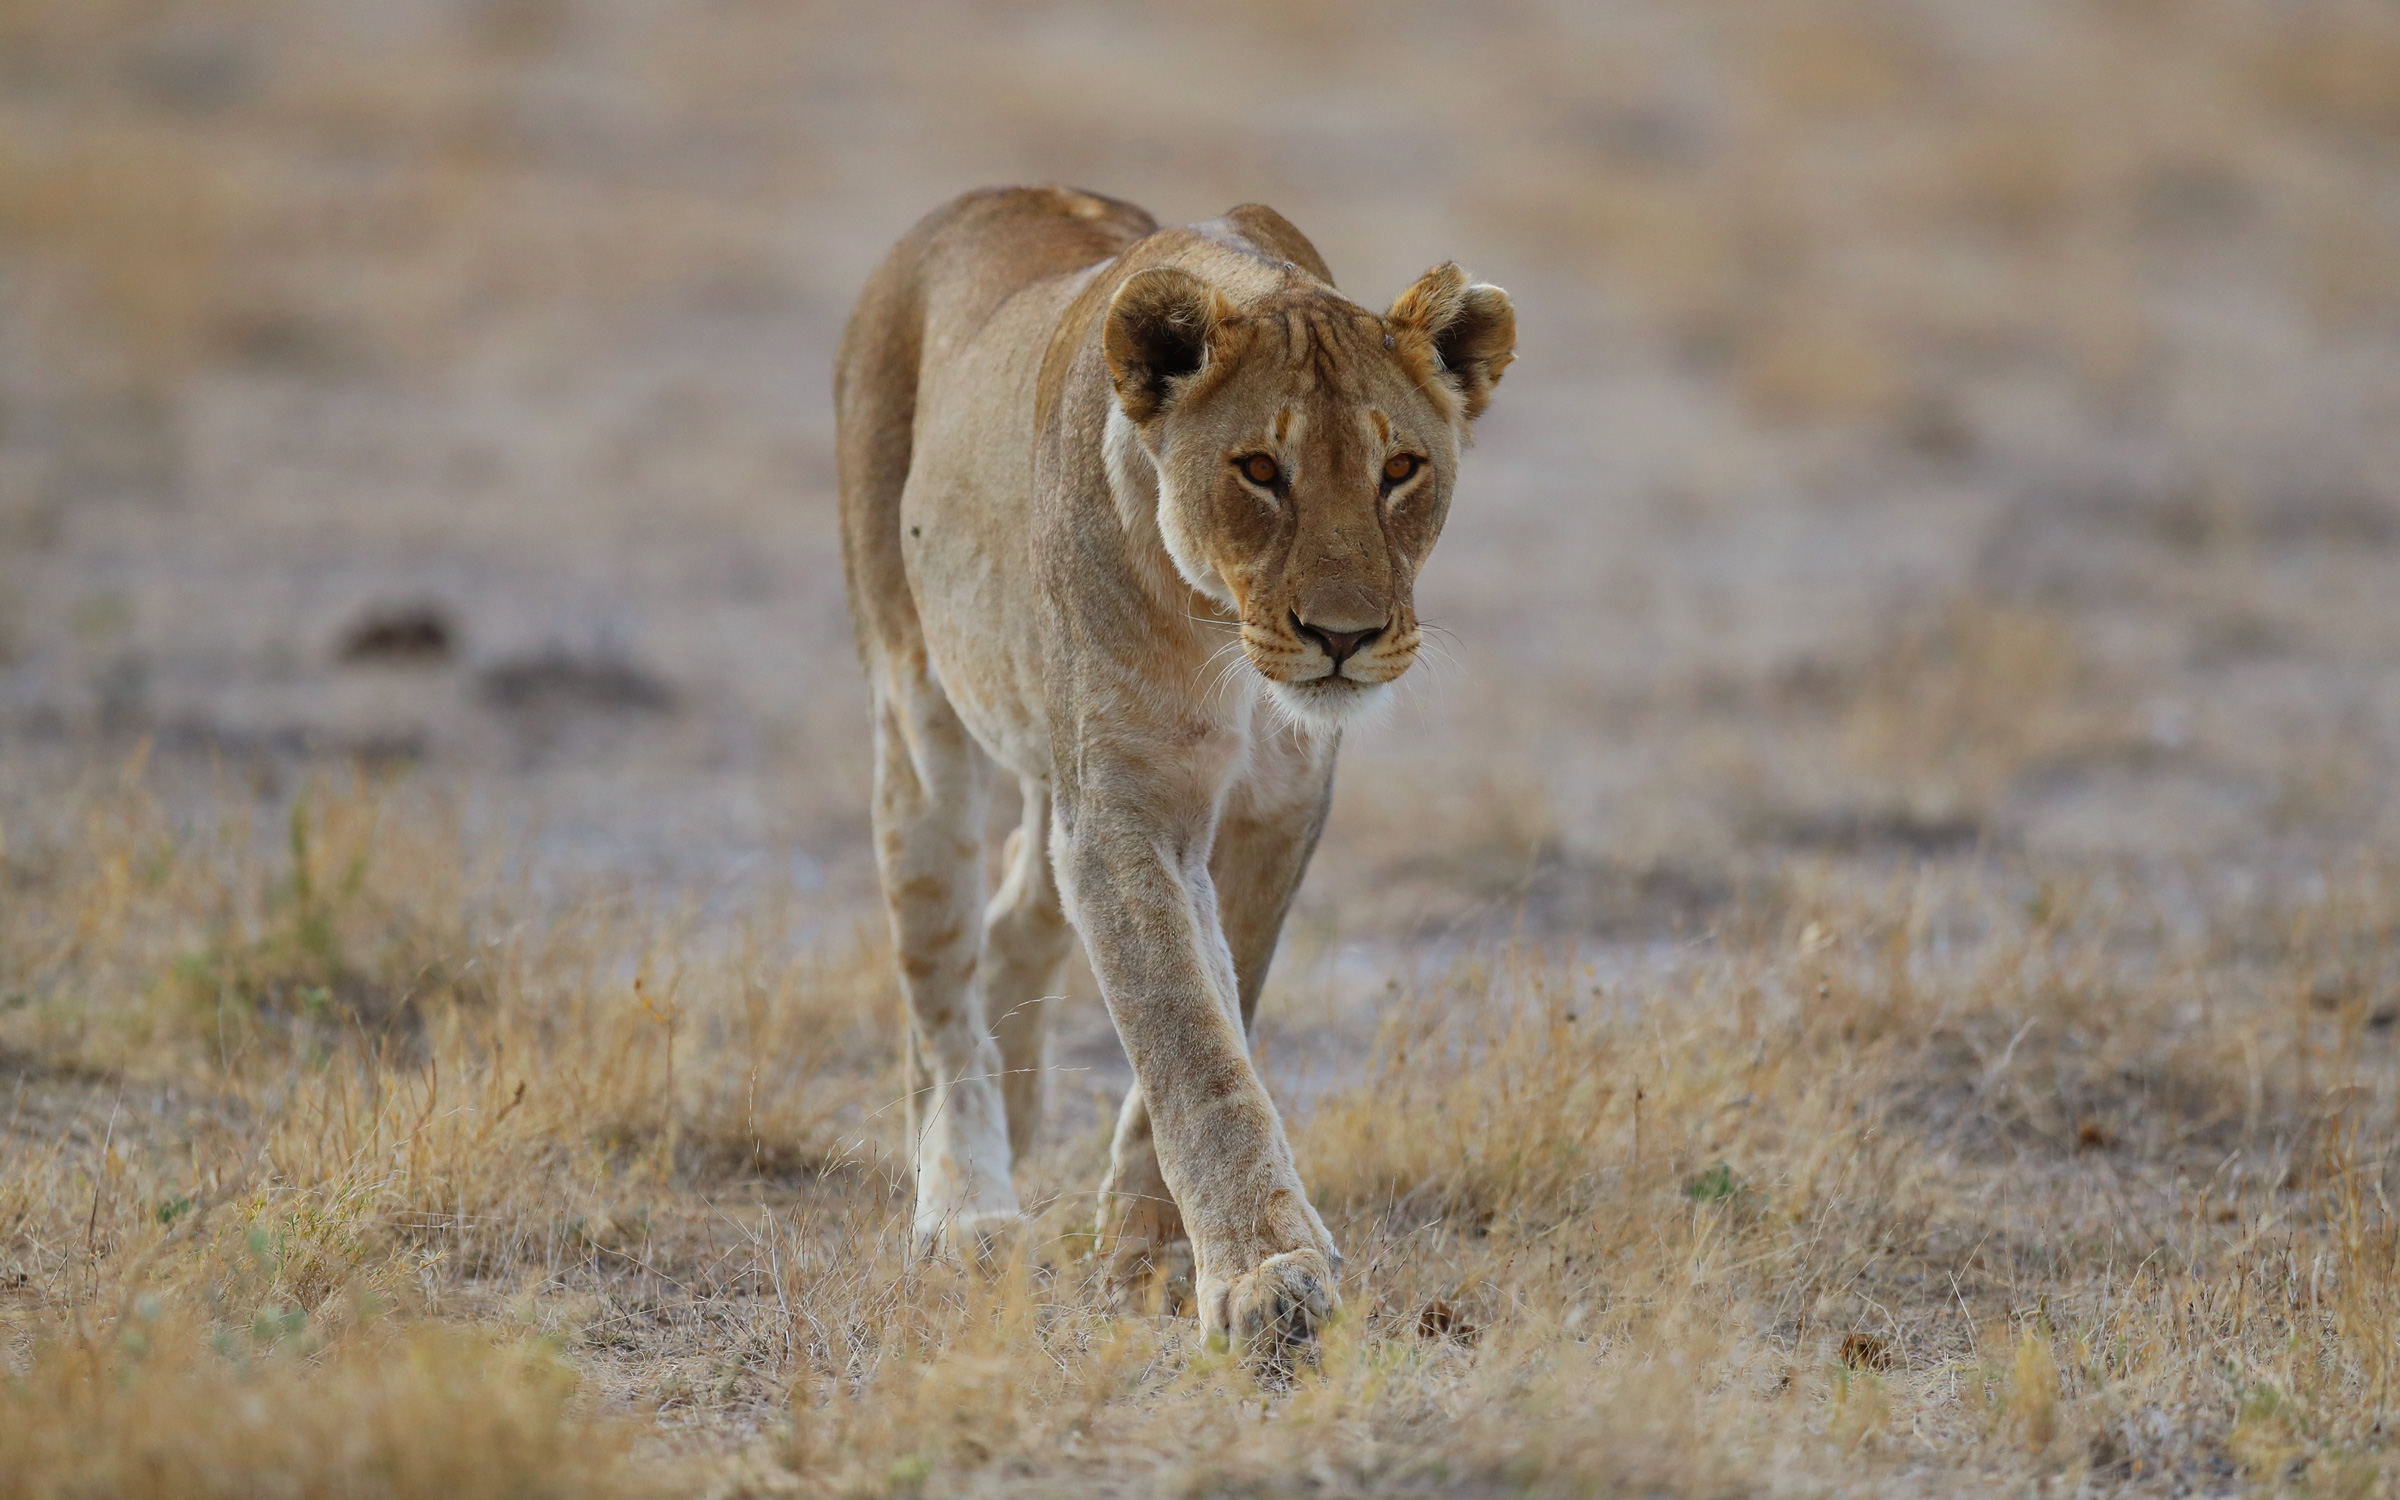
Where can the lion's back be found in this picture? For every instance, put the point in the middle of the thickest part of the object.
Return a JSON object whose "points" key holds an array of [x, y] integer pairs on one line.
{"points": [[940, 283], [961, 260]]}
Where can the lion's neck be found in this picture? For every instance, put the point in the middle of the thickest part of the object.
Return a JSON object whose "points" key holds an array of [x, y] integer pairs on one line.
{"points": [[1181, 585]]}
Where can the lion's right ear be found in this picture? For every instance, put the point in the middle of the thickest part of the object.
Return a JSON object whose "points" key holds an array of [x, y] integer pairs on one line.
{"points": [[1160, 325]]}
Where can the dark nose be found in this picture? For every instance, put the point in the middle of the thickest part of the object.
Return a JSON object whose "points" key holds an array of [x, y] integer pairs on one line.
{"points": [[1337, 644]]}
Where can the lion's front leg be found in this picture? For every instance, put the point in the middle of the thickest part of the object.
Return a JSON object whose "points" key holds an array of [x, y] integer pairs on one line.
{"points": [[1141, 895], [1264, 837]]}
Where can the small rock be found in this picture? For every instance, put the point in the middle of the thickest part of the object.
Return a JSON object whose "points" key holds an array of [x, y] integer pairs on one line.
{"points": [[411, 635], [558, 681]]}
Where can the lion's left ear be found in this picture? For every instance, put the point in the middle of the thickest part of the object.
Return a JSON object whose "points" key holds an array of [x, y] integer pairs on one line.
{"points": [[1469, 327]]}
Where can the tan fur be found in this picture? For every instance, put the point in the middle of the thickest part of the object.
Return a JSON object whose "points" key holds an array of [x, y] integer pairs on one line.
{"points": [[1058, 564]]}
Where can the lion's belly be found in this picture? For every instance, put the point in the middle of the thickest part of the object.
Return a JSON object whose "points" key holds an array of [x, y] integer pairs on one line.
{"points": [[990, 669], [966, 529]]}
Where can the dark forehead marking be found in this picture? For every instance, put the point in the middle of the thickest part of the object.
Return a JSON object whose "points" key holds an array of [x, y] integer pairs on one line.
{"points": [[1329, 339], [1323, 358]]}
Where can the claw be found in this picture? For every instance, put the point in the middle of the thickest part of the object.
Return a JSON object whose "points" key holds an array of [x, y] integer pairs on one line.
{"points": [[1273, 1313]]}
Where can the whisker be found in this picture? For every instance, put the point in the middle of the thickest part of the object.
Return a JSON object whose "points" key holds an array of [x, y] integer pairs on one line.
{"points": [[1218, 683], [1228, 660], [1421, 690], [1213, 670], [1439, 655], [1234, 669]]}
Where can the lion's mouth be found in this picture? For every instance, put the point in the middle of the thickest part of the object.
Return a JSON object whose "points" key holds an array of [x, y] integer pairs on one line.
{"points": [[1341, 678], [1298, 667]]}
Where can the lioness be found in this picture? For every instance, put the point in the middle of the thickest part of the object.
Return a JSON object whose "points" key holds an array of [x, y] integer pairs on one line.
{"points": [[1136, 514]]}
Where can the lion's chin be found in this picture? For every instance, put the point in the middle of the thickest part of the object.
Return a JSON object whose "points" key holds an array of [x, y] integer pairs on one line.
{"points": [[1326, 705]]}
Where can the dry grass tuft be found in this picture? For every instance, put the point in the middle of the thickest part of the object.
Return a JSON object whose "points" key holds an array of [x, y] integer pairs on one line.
{"points": [[151, 1410]]}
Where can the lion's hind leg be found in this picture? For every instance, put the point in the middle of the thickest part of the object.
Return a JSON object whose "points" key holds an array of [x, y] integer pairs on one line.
{"points": [[1145, 1260], [1025, 938], [930, 795]]}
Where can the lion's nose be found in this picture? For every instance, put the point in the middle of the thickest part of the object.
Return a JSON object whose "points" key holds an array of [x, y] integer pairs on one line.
{"points": [[1337, 644]]}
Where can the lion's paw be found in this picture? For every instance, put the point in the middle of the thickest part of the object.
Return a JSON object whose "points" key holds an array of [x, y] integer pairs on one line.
{"points": [[1271, 1313], [989, 1241], [1155, 1279], [1141, 1243], [984, 1237]]}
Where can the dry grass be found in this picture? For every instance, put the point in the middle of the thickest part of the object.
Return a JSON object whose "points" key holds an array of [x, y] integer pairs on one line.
{"points": [[1959, 701], [153, 1411], [1960, 1182]]}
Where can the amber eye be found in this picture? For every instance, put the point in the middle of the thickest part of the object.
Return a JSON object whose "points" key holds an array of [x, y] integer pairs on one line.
{"points": [[1399, 467], [1260, 469]]}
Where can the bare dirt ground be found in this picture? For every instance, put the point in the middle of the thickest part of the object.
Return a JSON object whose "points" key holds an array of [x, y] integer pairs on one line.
{"points": [[1867, 966]]}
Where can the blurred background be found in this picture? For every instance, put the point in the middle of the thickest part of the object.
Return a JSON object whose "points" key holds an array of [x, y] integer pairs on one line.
{"points": [[1942, 429]]}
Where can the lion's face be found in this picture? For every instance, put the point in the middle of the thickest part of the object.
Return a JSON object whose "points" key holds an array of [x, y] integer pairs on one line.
{"points": [[1305, 450]]}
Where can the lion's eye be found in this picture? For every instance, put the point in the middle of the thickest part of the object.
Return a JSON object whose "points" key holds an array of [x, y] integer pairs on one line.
{"points": [[1400, 466], [1260, 469]]}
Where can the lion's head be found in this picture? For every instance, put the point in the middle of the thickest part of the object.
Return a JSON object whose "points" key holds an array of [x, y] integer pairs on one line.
{"points": [[1304, 450]]}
